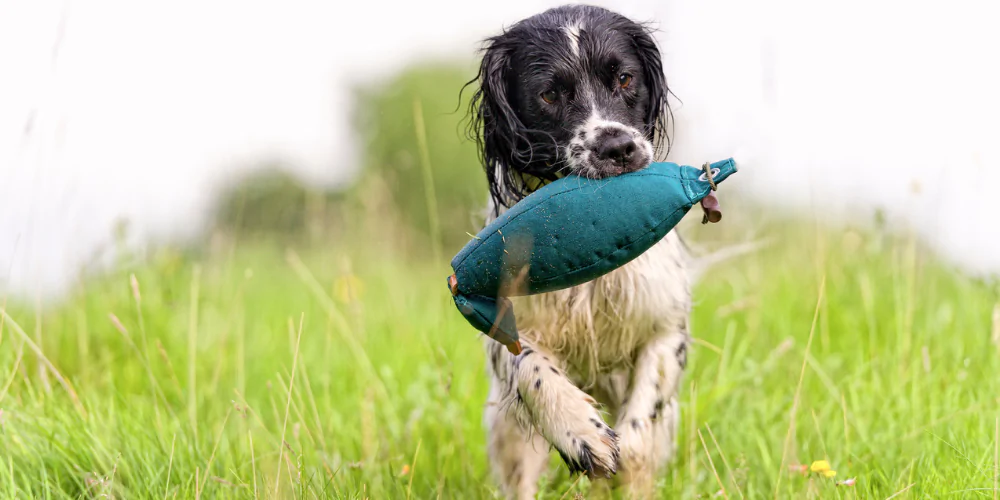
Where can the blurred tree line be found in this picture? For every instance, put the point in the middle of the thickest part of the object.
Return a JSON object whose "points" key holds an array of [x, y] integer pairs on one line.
{"points": [[395, 191]]}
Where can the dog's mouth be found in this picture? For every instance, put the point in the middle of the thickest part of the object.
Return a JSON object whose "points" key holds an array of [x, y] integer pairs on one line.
{"points": [[608, 150]]}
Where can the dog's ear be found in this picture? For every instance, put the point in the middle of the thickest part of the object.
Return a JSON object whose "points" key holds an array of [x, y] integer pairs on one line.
{"points": [[494, 125], [659, 117]]}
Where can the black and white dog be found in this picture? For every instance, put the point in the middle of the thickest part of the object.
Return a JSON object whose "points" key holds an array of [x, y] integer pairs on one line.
{"points": [[581, 89]]}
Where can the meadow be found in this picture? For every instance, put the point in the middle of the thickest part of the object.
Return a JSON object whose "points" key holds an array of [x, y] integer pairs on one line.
{"points": [[316, 354]]}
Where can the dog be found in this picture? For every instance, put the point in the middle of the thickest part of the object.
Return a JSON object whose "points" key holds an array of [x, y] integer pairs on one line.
{"points": [[580, 89]]}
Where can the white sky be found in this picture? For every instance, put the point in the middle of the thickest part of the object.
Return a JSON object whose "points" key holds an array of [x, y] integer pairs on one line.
{"points": [[835, 106]]}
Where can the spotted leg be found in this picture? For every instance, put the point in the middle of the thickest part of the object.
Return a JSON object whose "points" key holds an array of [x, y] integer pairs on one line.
{"points": [[533, 390], [649, 418], [518, 456]]}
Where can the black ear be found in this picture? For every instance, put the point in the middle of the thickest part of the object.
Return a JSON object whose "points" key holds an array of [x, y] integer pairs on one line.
{"points": [[659, 117], [494, 125]]}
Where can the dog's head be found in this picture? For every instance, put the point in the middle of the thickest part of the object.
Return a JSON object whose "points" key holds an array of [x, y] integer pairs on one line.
{"points": [[575, 89]]}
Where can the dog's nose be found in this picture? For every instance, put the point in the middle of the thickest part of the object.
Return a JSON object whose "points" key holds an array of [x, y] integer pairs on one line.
{"points": [[617, 147]]}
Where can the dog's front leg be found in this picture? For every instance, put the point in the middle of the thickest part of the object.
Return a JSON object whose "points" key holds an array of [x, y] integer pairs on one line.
{"points": [[649, 418], [541, 396]]}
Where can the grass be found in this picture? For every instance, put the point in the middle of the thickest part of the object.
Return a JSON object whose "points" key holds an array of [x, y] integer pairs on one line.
{"points": [[344, 372]]}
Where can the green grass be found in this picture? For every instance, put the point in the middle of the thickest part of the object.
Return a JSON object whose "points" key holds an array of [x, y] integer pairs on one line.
{"points": [[251, 370]]}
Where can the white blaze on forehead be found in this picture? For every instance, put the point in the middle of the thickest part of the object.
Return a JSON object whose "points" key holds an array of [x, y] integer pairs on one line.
{"points": [[573, 33]]}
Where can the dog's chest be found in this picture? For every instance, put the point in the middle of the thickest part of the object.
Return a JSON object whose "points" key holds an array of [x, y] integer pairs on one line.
{"points": [[601, 323]]}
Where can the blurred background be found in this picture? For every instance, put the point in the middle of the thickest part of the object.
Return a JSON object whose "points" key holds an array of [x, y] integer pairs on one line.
{"points": [[224, 228], [151, 117]]}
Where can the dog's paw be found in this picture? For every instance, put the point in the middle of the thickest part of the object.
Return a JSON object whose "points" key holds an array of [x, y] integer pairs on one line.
{"points": [[584, 441], [565, 416], [635, 443], [593, 453], [647, 441]]}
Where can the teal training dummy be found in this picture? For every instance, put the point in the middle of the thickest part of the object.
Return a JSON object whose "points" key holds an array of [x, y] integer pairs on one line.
{"points": [[572, 231]]}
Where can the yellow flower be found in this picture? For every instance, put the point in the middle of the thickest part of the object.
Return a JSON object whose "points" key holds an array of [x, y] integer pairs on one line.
{"points": [[830, 473], [820, 466]]}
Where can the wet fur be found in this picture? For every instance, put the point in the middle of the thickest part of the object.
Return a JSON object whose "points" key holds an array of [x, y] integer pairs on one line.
{"points": [[611, 350]]}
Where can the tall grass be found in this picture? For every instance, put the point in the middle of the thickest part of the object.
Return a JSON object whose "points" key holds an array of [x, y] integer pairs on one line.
{"points": [[337, 367], [267, 372]]}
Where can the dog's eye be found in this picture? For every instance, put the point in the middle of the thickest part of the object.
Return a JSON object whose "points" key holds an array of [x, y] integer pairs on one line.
{"points": [[550, 96], [624, 80]]}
